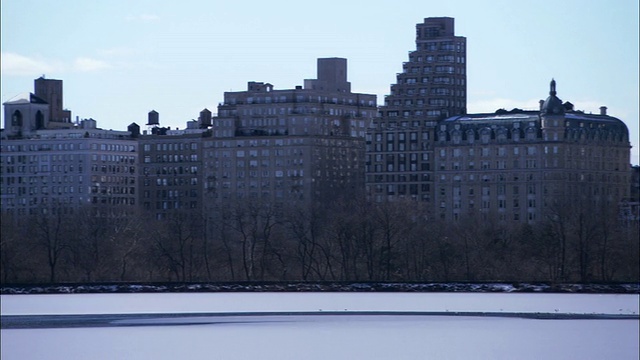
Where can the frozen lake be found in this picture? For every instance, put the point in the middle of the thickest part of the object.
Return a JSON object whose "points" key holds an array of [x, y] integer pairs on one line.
{"points": [[322, 326]]}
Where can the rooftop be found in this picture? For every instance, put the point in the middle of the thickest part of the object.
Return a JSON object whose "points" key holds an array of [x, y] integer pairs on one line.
{"points": [[25, 98]]}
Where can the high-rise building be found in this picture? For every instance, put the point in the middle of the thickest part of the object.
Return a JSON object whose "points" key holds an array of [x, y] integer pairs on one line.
{"points": [[54, 165], [171, 171], [514, 166], [65, 169], [433, 83], [522, 165], [294, 146], [431, 87], [517, 166]]}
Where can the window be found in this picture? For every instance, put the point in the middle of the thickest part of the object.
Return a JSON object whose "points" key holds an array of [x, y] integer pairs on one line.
{"points": [[501, 203]]}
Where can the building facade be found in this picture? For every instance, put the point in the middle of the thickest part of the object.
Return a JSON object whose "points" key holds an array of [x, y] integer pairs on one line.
{"points": [[433, 83], [517, 166], [24, 114], [171, 172], [523, 165], [320, 142], [46, 168], [295, 146], [431, 87], [51, 91], [63, 170]]}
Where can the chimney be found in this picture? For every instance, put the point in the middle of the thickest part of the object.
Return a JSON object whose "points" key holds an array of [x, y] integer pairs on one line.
{"points": [[603, 110], [541, 103]]}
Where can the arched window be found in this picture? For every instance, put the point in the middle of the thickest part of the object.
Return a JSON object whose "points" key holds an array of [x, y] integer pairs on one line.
{"points": [[16, 118], [456, 136], [39, 120], [485, 135], [501, 134], [471, 136]]}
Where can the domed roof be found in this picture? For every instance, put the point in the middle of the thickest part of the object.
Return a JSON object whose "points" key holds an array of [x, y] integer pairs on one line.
{"points": [[553, 105]]}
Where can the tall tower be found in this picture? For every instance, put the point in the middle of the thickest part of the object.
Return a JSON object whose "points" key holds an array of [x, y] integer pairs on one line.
{"points": [[433, 83], [51, 91], [431, 87], [332, 76]]}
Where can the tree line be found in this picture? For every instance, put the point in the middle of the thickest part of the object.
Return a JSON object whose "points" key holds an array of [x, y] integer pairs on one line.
{"points": [[350, 241]]}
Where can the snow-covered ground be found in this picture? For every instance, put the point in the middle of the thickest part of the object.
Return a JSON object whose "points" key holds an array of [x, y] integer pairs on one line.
{"points": [[322, 301], [341, 336]]}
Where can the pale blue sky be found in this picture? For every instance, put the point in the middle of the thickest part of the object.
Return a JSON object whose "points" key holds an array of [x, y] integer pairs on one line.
{"points": [[121, 59]]}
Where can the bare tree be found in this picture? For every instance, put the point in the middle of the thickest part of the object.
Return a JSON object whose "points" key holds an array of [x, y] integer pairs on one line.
{"points": [[176, 241], [51, 232], [15, 249]]}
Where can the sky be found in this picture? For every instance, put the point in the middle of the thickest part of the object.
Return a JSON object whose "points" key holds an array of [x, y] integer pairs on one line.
{"points": [[121, 59]]}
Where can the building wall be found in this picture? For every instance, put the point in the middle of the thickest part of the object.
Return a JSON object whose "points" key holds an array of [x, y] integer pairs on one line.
{"points": [[23, 117], [399, 159], [67, 169], [293, 170], [51, 91], [513, 167], [171, 174], [431, 87], [295, 146], [432, 84]]}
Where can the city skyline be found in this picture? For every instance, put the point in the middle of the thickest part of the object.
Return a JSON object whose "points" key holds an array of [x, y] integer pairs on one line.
{"points": [[178, 60]]}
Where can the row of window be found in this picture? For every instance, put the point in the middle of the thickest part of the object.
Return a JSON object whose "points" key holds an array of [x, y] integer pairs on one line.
{"points": [[113, 190], [38, 201], [486, 165], [442, 80], [171, 158], [301, 98], [501, 189], [531, 215], [251, 143], [166, 205], [34, 169], [181, 146], [500, 151], [173, 181], [447, 45], [11, 180], [293, 173], [171, 194], [171, 170], [67, 146], [439, 58]]}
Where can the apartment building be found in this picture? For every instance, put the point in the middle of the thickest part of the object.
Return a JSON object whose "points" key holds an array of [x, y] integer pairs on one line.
{"points": [[295, 146], [431, 87], [171, 170], [509, 165], [433, 83], [520, 165], [53, 169], [516, 165], [66, 169]]}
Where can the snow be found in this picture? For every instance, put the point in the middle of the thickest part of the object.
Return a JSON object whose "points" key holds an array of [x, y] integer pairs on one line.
{"points": [[327, 336], [307, 301]]}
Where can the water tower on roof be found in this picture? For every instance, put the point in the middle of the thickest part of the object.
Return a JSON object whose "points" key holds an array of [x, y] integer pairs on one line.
{"points": [[154, 118], [205, 118]]}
